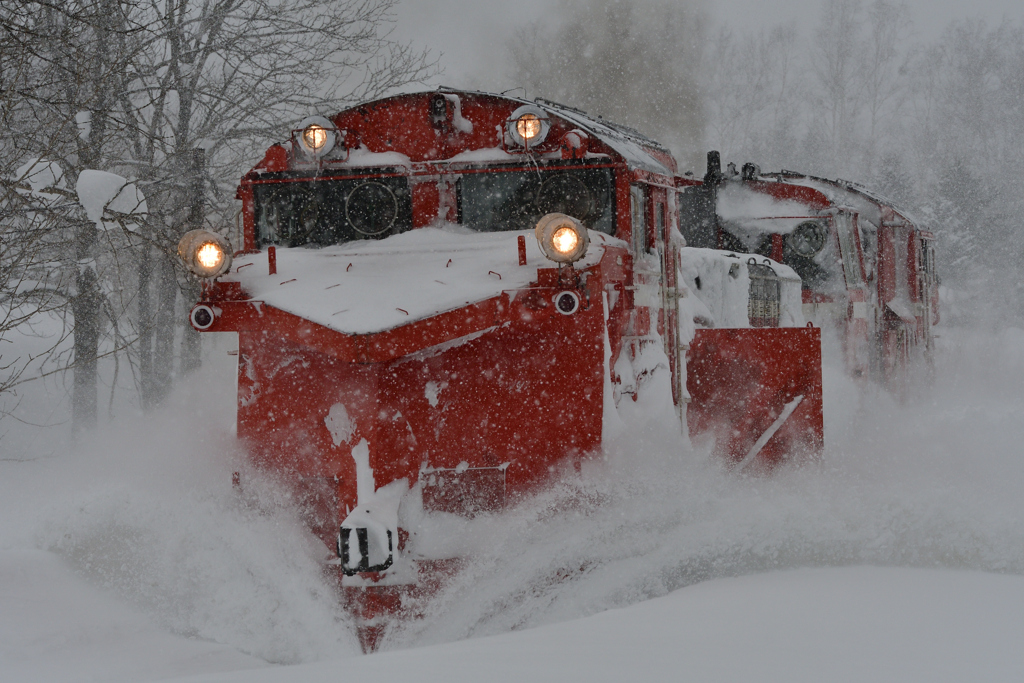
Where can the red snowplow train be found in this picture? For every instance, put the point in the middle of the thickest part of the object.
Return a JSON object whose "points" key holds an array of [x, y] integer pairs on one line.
{"points": [[444, 300]]}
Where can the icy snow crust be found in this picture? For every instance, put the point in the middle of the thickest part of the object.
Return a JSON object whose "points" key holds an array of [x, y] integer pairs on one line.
{"points": [[900, 625], [40, 174], [131, 558], [100, 190], [370, 286], [854, 197], [629, 145]]}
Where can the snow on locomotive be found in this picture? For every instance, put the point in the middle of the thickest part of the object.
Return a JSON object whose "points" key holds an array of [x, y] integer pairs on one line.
{"points": [[445, 300]]}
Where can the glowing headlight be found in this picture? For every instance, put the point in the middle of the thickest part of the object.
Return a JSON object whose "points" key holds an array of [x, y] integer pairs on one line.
{"points": [[562, 238], [210, 256], [317, 136], [314, 137], [528, 126], [205, 253]]}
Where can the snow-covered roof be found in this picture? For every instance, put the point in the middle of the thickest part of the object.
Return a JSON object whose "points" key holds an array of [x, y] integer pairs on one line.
{"points": [[636, 149], [632, 145], [850, 195], [374, 285]]}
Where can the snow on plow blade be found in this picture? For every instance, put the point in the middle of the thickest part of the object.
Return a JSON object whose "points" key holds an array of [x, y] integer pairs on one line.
{"points": [[757, 393]]}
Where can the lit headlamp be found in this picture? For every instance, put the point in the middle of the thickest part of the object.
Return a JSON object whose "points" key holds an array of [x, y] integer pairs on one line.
{"points": [[205, 253], [314, 137], [562, 238], [528, 126], [317, 136]]}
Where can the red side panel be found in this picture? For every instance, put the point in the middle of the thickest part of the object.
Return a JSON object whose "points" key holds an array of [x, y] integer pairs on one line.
{"points": [[741, 382]]}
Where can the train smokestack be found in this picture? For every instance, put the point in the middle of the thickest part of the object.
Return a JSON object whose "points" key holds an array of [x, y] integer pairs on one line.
{"points": [[714, 174]]}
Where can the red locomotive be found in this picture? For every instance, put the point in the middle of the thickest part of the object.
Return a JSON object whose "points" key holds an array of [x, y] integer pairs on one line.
{"points": [[867, 268], [444, 300]]}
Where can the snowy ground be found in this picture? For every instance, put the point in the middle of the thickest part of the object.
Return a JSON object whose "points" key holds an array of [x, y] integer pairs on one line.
{"points": [[900, 557]]}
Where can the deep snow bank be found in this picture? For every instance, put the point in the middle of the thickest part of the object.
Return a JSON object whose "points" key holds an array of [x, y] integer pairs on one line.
{"points": [[144, 518], [145, 514], [854, 624]]}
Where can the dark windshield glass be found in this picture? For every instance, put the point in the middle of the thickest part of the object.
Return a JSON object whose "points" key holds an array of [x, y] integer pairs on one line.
{"points": [[324, 212], [516, 200]]}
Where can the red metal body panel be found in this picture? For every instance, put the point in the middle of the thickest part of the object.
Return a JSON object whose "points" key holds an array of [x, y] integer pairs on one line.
{"points": [[525, 393], [740, 380], [783, 191]]}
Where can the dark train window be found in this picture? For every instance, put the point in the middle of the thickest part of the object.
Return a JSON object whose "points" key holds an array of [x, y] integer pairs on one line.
{"points": [[325, 212], [638, 218], [516, 200], [371, 208]]}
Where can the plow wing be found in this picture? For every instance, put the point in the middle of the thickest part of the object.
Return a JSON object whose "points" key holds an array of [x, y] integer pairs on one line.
{"points": [[756, 393]]}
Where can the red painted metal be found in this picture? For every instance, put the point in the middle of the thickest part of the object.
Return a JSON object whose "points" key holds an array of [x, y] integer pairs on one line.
{"points": [[813, 198], [740, 380], [498, 405], [778, 245]]}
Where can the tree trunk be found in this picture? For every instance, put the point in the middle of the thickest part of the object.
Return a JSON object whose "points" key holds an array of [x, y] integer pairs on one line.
{"points": [[164, 328], [85, 307], [145, 313], [88, 298], [191, 343]]}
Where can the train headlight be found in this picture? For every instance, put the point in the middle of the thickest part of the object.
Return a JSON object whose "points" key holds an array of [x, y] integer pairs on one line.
{"points": [[202, 317], [528, 126], [562, 238], [314, 137], [317, 136], [807, 239], [566, 303], [205, 253]]}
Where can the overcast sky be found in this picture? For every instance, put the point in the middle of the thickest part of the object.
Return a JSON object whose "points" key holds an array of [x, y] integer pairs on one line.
{"points": [[472, 33]]}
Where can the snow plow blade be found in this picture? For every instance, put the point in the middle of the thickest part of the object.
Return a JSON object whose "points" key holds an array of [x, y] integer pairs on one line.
{"points": [[756, 394]]}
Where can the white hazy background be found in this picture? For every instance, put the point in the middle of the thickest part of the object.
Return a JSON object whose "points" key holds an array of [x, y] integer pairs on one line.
{"points": [[470, 33]]}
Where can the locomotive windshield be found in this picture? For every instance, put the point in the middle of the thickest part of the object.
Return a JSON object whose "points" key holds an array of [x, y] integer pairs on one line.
{"points": [[333, 211], [516, 200], [323, 212]]}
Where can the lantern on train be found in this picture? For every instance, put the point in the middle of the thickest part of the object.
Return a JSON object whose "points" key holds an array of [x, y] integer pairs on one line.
{"points": [[807, 239], [317, 136], [205, 253], [562, 238], [528, 126]]}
